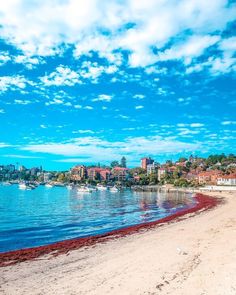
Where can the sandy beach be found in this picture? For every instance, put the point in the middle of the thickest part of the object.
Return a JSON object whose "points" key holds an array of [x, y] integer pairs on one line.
{"points": [[193, 256]]}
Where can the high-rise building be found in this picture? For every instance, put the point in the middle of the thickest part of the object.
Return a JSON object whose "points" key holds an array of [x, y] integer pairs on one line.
{"points": [[145, 162]]}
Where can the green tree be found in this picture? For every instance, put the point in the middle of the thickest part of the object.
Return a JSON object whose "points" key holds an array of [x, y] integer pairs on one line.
{"points": [[182, 159], [153, 178], [114, 164], [169, 162], [61, 177]]}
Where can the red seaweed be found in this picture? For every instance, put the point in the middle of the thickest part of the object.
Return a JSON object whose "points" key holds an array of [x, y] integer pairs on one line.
{"points": [[203, 203]]}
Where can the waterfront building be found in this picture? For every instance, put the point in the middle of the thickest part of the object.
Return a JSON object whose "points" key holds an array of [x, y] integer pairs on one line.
{"points": [[161, 173], [152, 168], [78, 173], [227, 179], [105, 174], [47, 176], [145, 162], [34, 171], [94, 173], [209, 177], [120, 173]]}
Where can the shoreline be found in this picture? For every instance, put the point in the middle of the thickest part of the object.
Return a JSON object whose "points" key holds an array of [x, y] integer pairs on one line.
{"points": [[203, 203], [190, 257]]}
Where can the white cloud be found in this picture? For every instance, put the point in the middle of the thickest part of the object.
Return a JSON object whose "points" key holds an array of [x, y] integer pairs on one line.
{"points": [[21, 156], [182, 125], [139, 96], [28, 61], [92, 70], [228, 44], [95, 148], [191, 48], [13, 82], [4, 57], [123, 117], [54, 101], [88, 131], [184, 100], [103, 97], [78, 106], [61, 77], [57, 101], [2, 111], [186, 131], [228, 122], [88, 108], [42, 28], [196, 125], [223, 63], [3, 145], [139, 107], [22, 102], [71, 160]]}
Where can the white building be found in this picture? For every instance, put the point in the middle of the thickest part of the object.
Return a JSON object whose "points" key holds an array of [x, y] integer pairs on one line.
{"points": [[161, 173], [152, 168], [227, 180], [47, 176]]}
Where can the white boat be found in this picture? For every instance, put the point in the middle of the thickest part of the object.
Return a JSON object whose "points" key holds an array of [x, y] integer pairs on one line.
{"points": [[69, 187], [6, 183], [48, 185], [24, 186], [84, 189], [92, 188], [101, 187], [114, 189], [32, 186]]}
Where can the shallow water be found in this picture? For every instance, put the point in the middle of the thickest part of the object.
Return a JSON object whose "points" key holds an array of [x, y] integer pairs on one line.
{"points": [[46, 215]]}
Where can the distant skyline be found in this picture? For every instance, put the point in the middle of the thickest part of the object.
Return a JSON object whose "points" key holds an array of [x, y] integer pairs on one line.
{"points": [[92, 81]]}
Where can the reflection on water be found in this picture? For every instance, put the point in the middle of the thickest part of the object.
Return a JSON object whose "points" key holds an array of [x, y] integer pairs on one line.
{"points": [[44, 216]]}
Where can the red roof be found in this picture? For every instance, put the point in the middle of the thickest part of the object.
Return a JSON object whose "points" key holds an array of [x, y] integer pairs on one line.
{"points": [[209, 173], [120, 169], [230, 176], [97, 169]]}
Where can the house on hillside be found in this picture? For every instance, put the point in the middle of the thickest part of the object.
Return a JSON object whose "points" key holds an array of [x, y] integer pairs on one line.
{"points": [[209, 177], [227, 179]]}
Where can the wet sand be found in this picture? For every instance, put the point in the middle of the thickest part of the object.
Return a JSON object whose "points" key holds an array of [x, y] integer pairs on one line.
{"points": [[193, 256]]}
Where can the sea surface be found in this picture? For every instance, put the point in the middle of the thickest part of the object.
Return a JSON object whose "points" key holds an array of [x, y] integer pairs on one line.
{"points": [[46, 215]]}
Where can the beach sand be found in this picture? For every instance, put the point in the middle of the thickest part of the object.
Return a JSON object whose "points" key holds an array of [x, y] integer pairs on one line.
{"points": [[193, 256]]}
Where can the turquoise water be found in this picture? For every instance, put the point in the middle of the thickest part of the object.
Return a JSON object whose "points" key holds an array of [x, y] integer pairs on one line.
{"points": [[46, 215]]}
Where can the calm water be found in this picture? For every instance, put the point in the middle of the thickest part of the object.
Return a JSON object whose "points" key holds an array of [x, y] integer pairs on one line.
{"points": [[46, 215]]}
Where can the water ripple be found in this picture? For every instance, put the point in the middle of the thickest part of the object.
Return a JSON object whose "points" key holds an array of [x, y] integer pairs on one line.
{"points": [[44, 216]]}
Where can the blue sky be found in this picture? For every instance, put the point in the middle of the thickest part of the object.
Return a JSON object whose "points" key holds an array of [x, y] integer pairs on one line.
{"points": [[88, 82]]}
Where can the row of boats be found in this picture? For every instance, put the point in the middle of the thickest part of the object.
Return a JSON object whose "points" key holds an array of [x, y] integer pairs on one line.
{"points": [[90, 189], [82, 188]]}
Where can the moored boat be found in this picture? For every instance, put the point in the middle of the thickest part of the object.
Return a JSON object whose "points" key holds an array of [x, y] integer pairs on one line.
{"points": [[101, 187], [6, 183], [114, 189], [24, 186], [84, 189], [69, 187]]}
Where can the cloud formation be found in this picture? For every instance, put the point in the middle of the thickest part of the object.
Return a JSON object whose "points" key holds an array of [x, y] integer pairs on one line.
{"points": [[95, 148], [148, 31]]}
